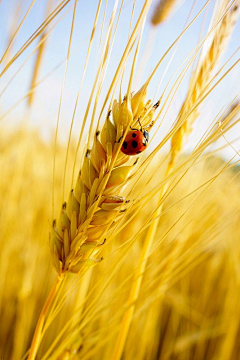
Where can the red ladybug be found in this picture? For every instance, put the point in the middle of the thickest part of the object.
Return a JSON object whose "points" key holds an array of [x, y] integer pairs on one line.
{"points": [[135, 142]]}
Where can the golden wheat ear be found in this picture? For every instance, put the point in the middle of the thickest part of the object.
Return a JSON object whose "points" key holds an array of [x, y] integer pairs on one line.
{"points": [[95, 202], [199, 83], [163, 10]]}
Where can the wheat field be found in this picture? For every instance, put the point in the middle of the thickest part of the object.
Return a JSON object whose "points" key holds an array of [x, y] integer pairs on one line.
{"points": [[114, 248]]}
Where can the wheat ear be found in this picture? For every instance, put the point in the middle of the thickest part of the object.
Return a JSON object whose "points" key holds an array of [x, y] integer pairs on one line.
{"points": [[203, 73], [163, 10], [39, 58], [94, 203]]}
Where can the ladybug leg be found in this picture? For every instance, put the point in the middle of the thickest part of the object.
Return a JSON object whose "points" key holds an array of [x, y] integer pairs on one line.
{"points": [[102, 243], [139, 123], [125, 202], [119, 139], [135, 128]]}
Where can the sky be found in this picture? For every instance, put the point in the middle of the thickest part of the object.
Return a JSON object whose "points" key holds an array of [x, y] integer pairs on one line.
{"points": [[44, 113]]}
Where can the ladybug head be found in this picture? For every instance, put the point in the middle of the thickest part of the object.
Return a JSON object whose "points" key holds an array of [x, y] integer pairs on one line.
{"points": [[146, 134]]}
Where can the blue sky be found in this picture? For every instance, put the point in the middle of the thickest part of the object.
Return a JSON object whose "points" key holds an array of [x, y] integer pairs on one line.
{"points": [[44, 113]]}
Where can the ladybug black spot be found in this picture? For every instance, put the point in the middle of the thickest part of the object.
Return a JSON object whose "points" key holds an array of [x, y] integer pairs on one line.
{"points": [[134, 135], [124, 144], [134, 144]]}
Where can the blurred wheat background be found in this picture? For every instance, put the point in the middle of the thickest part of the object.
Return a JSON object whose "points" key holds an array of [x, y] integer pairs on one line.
{"points": [[165, 284]]}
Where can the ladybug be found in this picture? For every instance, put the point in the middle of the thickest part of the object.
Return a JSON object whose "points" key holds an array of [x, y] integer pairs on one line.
{"points": [[135, 142]]}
